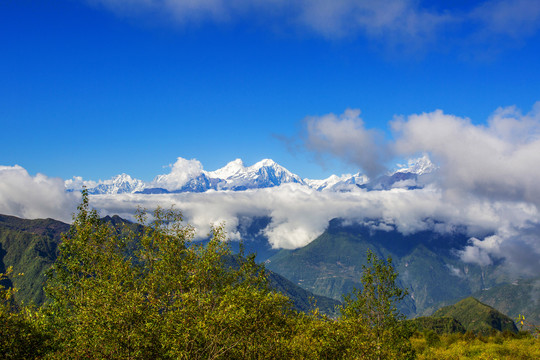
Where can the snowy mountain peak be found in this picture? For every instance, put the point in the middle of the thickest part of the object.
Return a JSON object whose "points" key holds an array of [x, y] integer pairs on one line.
{"points": [[344, 182], [231, 169], [118, 184], [265, 173], [121, 178], [265, 163], [418, 166]]}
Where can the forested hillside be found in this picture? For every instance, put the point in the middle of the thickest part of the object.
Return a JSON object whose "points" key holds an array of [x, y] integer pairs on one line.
{"points": [[30, 247], [427, 261]]}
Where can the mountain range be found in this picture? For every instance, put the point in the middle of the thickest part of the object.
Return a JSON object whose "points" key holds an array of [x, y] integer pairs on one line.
{"points": [[326, 269], [235, 176]]}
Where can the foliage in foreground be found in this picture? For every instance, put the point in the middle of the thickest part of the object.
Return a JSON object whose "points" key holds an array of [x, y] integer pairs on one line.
{"points": [[500, 346], [150, 292], [154, 294], [22, 333]]}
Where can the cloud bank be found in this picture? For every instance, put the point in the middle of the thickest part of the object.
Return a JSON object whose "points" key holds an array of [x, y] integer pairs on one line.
{"points": [[486, 183], [300, 214]]}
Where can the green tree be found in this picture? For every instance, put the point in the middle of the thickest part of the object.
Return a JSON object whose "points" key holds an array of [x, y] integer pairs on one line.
{"points": [[374, 325], [149, 291], [22, 331]]}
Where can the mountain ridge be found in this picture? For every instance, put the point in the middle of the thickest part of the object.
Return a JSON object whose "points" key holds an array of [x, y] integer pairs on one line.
{"points": [[477, 317], [235, 176]]}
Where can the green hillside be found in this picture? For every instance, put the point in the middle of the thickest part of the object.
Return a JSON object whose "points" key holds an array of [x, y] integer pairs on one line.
{"points": [[477, 317], [302, 299], [30, 247], [519, 297], [426, 261]]}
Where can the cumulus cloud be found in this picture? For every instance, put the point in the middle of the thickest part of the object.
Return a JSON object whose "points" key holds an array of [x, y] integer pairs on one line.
{"points": [[77, 183], [36, 196], [496, 161], [518, 246], [346, 137], [486, 178], [181, 172]]}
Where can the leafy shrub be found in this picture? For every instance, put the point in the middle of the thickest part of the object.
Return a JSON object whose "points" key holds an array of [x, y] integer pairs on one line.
{"points": [[22, 333]]}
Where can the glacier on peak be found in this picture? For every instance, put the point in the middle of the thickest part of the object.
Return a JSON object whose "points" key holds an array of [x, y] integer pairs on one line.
{"points": [[232, 168]]}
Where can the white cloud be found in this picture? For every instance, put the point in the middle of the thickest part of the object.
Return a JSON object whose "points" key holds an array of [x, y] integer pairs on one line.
{"points": [[481, 251], [77, 183], [397, 20], [345, 137], [487, 178], [36, 196], [182, 171], [497, 161]]}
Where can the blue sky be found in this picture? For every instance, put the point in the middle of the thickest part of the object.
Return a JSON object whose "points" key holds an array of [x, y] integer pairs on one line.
{"points": [[94, 88]]}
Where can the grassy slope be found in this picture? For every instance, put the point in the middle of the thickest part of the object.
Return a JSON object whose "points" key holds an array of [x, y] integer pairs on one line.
{"points": [[454, 346]]}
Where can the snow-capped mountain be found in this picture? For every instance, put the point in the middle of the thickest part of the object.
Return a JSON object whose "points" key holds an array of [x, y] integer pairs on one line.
{"points": [[419, 166], [119, 184], [407, 177], [265, 173], [232, 169], [189, 176], [341, 183], [233, 176]]}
